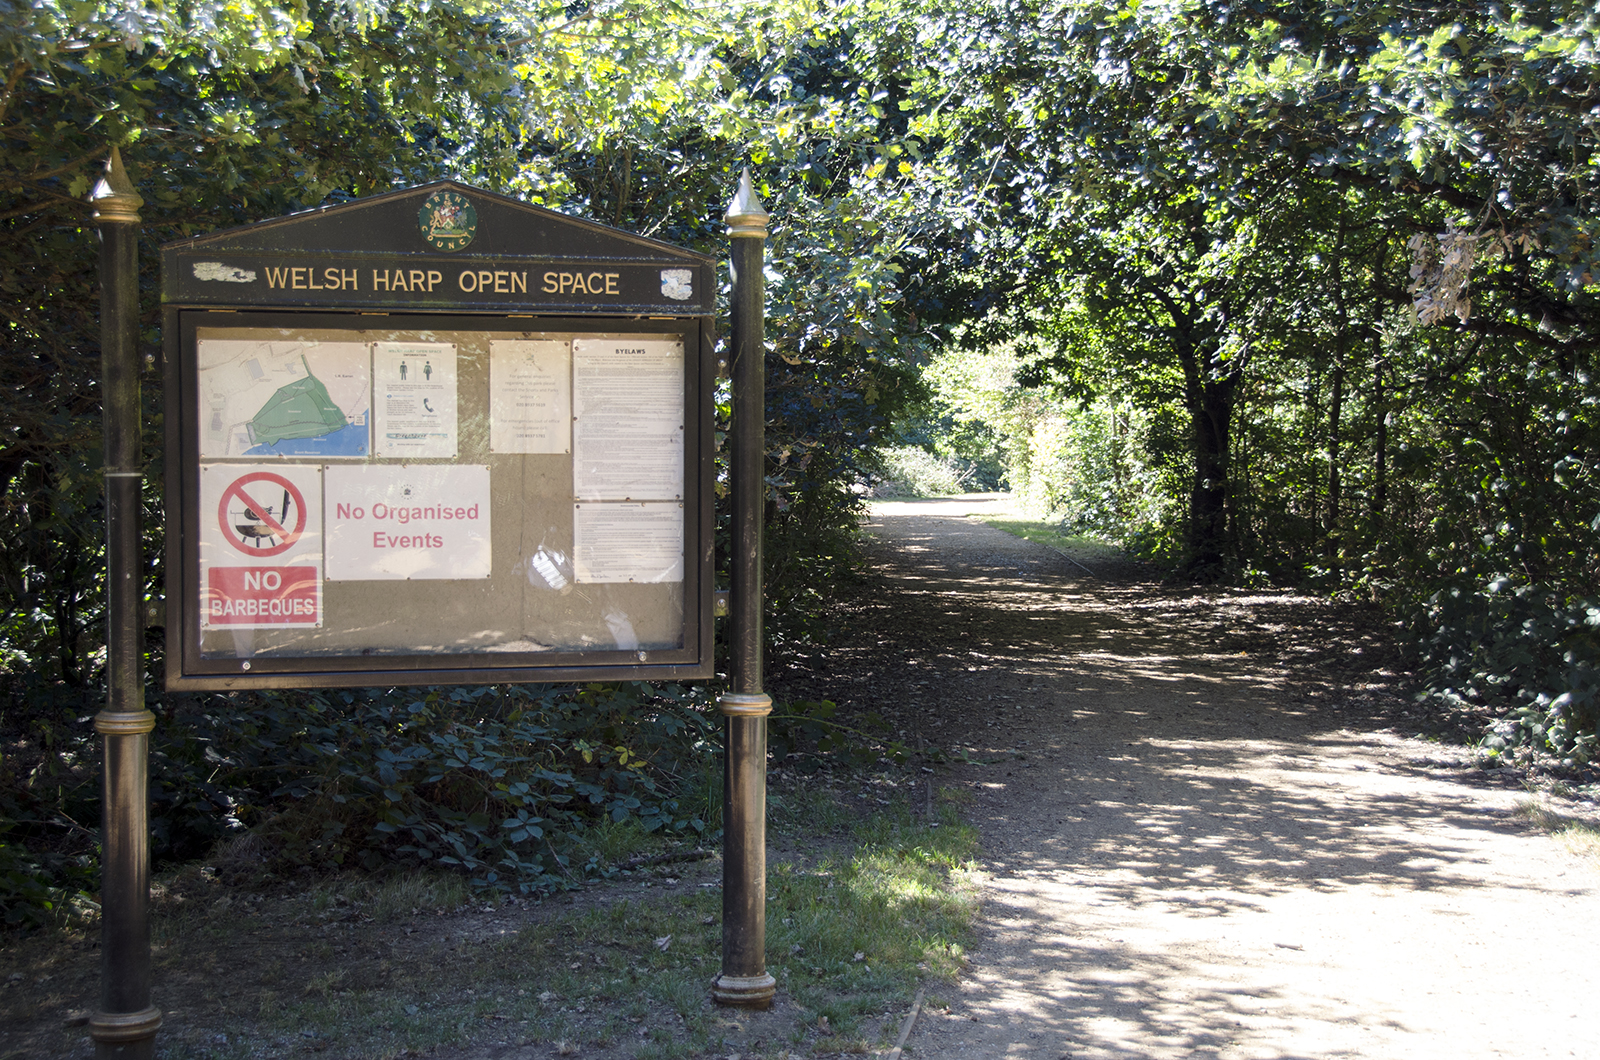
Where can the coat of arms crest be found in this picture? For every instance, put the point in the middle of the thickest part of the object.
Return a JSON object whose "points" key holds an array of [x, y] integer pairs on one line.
{"points": [[448, 220]]}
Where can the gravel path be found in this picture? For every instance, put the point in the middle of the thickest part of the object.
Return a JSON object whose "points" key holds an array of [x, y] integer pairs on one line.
{"points": [[1206, 831]]}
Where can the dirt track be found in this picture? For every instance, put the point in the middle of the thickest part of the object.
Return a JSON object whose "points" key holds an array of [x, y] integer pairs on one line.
{"points": [[1209, 828]]}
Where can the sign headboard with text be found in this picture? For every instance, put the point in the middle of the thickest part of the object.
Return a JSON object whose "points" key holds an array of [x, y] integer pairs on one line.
{"points": [[436, 437]]}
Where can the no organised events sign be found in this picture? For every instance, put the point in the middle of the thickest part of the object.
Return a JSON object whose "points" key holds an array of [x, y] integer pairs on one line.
{"points": [[396, 521]]}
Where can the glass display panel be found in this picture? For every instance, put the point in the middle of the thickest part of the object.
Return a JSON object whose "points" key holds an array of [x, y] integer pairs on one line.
{"points": [[403, 492]]}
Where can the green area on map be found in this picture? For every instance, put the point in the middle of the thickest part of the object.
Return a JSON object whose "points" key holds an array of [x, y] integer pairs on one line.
{"points": [[301, 409]]}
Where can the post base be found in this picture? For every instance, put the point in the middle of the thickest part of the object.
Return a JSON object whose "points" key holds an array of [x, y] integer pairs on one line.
{"points": [[744, 991], [125, 1033]]}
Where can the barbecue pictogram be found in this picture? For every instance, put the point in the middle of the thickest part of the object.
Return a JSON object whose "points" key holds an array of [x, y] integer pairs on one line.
{"points": [[262, 514]]}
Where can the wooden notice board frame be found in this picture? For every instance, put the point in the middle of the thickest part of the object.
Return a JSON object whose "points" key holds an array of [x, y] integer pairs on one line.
{"points": [[434, 531]]}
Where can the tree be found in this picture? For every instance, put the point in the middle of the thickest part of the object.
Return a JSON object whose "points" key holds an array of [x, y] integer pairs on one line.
{"points": [[1423, 175], [1459, 130], [636, 114], [226, 115]]}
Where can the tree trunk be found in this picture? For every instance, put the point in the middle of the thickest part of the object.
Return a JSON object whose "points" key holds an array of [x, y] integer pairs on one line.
{"points": [[1209, 391], [1331, 542], [1333, 546], [1380, 457]]}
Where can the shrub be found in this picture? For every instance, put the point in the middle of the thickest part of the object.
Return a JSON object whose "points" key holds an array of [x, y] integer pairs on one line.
{"points": [[500, 784], [1525, 651], [38, 888], [909, 471], [494, 782]]}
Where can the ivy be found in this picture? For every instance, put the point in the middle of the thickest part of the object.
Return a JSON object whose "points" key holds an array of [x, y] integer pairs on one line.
{"points": [[497, 783]]}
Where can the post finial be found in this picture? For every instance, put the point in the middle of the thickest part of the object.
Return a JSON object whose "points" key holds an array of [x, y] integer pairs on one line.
{"points": [[115, 200], [746, 216]]}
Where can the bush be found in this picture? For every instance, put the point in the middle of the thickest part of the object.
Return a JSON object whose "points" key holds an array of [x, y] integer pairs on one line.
{"points": [[500, 784], [49, 800], [1524, 651], [39, 888], [497, 783], [909, 471]]}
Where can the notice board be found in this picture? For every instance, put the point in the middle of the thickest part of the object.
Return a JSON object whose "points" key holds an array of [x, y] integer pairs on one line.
{"points": [[406, 450]]}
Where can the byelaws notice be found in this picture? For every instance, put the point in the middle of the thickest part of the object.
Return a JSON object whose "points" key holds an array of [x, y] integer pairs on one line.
{"points": [[627, 405], [627, 542], [414, 389], [387, 522], [530, 396], [271, 398]]}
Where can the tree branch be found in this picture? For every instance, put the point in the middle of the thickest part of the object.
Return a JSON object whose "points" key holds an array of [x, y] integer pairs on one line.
{"points": [[7, 94]]}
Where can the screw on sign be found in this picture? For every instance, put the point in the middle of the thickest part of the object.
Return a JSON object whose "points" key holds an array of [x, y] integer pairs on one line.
{"points": [[262, 514]]}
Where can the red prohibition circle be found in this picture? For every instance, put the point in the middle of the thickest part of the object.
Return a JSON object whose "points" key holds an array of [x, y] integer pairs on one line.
{"points": [[261, 525]]}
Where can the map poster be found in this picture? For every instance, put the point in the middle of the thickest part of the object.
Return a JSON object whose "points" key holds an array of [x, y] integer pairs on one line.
{"points": [[267, 398], [627, 542], [627, 405], [414, 393], [530, 396], [260, 546]]}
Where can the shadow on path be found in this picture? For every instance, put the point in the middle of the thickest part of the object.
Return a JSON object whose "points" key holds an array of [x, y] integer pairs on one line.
{"points": [[1201, 834]]}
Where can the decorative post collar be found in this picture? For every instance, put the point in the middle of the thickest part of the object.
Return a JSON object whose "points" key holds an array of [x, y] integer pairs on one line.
{"points": [[114, 197], [746, 216]]}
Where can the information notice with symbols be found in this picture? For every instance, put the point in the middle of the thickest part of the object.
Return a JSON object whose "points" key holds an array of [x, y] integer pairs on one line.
{"points": [[400, 521], [627, 398], [414, 399], [260, 546]]}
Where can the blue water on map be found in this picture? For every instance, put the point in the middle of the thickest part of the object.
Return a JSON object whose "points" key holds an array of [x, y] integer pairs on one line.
{"points": [[346, 441]]}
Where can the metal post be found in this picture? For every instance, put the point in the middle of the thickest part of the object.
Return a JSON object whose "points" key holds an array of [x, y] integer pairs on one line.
{"points": [[744, 980], [125, 1027]]}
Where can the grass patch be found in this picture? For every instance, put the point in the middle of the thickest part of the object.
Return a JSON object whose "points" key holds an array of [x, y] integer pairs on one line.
{"points": [[380, 968], [388, 901], [1579, 836], [1081, 547], [807, 809], [846, 939], [853, 937]]}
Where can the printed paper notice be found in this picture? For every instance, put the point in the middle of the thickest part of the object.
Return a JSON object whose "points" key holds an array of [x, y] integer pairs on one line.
{"points": [[388, 522], [260, 546], [627, 542], [627, 397], [530, 396], [414, 393], [283, 399]]}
